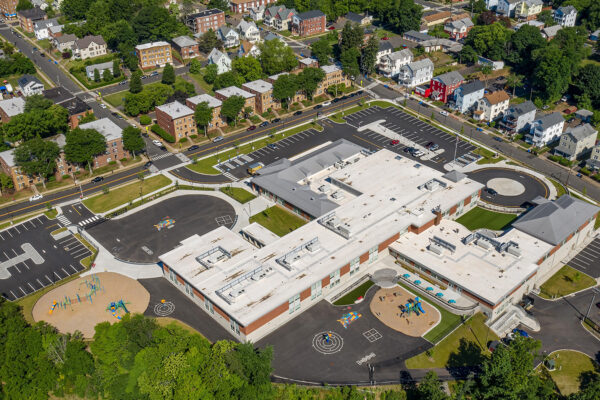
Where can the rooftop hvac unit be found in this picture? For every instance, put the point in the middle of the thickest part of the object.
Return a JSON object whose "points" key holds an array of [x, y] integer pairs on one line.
{"points": [[313, 246], [324, 188], [432, 185], [484, 244], [515, 251], [434, 248], [236, 293], [259, 276], [338, 195]]}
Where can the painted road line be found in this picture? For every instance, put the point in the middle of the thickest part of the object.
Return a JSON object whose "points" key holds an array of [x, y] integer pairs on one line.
{"points": [[32, 288], [22, 291]]}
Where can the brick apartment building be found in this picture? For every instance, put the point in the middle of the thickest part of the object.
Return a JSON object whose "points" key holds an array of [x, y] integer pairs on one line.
{"points": [[244, 6], [186, 46], [214, 103], [224, 94], [263, 92], [113, 134], [8, 8], [205, 20], [27, 18], [153, 54], [10, 168], [177, 119], [308, 23], [333, 76]]}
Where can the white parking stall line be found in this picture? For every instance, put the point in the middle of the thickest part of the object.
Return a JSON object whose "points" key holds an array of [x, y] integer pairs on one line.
{"points": [[17, 268], [41, 284], [31, 222], [22, 291], [72, 267], [590, 250], [57, 275], [590, 253], [65, 271], [78, 253], [25, 264], [17, 230], [49, 280], [39, 220], [9, 233], [23, 226], [14, 295], [585, 257], [32, 288], [1, 237]]}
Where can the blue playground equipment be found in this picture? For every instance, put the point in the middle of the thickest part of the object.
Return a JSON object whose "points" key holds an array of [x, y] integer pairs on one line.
{"points": [[114, 307], [414, 306]]}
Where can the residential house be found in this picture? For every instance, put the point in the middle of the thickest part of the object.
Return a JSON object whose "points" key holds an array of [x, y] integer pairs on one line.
{"points": [[263, 92], [434, 17], [30, 85], [220, 59], [584, 115], [40, 28], [491, 4], [177, 119], [257, 13], [244, 6], [593, 163], [271, 36], [27, 18], [113, 134], [494, 65], [518, 117], [441, 44], [442, 86], [224, 94], [333, 76], [565, 16], [278, 17], [89, 46], [491, 106], [528, 9], [248, 31], [358, 18], [417, 37], [11, 107], [549, 32], [467, 96], [416, 73], [206, 20], [55, 31], [458, 29], [308, 63], [385, 48], [507, 7], [65, 43], [577, 142], [8, 8], [89, 70], [308, 23], [9, 167], [390, 64], [538, 24], [228, 36], [248, 49], [214, 103], [595, 36], [546, 129], [154, 54], [186, 46]]}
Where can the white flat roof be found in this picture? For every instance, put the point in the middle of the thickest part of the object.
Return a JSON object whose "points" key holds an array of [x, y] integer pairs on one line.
{"points": [[260, 233], [212, 101], [259, 85], [234, 91], [328, 69], [105, 127], [176, 110], [389, 200], [14, 106], [151, 45], [485, 272]]}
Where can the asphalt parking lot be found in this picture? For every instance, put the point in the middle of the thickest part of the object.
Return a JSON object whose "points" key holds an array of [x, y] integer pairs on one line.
{"points": [[31, 259], [137, 237], [588, 259]]}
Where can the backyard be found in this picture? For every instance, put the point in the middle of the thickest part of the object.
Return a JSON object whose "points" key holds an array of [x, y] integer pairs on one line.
{"points": [[566, 281], [278, 220], [479, 218]]}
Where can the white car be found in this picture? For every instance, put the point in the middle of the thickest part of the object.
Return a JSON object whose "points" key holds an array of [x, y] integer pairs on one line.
{"points": [[35, 197], [444, 113], [418, 153], [157, 142], [102, 105], [327, 103]]}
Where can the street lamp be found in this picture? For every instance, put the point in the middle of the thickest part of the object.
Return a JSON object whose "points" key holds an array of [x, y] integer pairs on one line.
{"points": [[594, 293]]}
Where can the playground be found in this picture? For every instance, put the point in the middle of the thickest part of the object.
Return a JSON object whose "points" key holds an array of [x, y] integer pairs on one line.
{"points": [[89, 300], [403, 311]]}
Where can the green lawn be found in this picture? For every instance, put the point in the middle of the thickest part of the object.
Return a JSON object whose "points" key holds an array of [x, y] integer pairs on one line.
{"points": [[199, 78], [570, 365], [115, 99], [51, 214], [277, 220], [488, 156], [350, 297], [104, 202], [238, 194], [473, 334], [205, 166], [566, 281], [560, 189], [480, 218]]}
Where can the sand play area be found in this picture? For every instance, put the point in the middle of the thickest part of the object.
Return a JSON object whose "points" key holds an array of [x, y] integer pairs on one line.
{"points": [[85, 302], [386, 307]]}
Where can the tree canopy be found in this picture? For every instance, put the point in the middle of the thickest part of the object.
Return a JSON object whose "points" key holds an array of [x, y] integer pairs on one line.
{"points": [[168, 75], [83, 145], [247, 67], [231, 107], [322, 50], [37, 122], [37, 157], [276, 56], [285, 87], [132, 139], [309, 79]]}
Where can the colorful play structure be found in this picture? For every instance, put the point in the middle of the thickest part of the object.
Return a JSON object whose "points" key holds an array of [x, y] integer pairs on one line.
{"points": [[327, 337], [114, 308], [165, 223], [349, 318], [413, 306], [93, 286]]}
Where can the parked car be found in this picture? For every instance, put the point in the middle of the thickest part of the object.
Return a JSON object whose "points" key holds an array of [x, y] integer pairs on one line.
{"points": [[335, 100], [491, 192], [385, 38], [36, 197], [276, 120], [123, 82], [157, 143], [298, 112], [98, 179], [218, 139], [520, 332], [251, 128], [264, 124], [318, 106], [434, 147], [428, 145], [409, 149], [444, 113], [155, 73], [326, 103], [193, 147], [498, 139], [417, 153], [102, 105], [394, 142], [272, 146], [148, 164]]}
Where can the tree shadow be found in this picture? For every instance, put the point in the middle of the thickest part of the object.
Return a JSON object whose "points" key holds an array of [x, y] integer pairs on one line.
{"points": [[467, 357]]}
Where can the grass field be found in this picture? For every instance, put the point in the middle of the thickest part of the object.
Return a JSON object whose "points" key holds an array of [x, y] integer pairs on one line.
{"points": [[466, 345], [238, 194], [560, 189], [278, 220], [104, 202], [480, 218], [570, 365], [115, 99], [566, 281], [350, 297]]}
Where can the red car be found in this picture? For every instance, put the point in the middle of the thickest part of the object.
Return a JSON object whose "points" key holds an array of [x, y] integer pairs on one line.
{"points": [[385, 38], [251, 128], [331, 28], [394, 142]]}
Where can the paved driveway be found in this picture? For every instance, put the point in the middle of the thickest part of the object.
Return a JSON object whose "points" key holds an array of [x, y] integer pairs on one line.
{"points": [[588, 259]]}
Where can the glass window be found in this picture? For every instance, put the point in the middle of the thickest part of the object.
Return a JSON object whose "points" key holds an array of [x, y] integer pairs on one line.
{"points": [[294, 303], [235, 327], [334, 279], [208, 305], [354, 265], [373, 254], [315, 290]]}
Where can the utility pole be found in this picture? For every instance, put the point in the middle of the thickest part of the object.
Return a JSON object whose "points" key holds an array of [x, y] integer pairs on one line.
{"points": [[594, 293]]}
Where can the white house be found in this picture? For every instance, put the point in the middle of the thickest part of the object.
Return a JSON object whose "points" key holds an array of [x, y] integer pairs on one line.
{"points": [[385, 48], [66, 42], [248, 31], [40, 28], [467, 95], [518, 116], [228, 36], [248, 49], [507, 7], [89, 70], [416, 73], [278, 17], [546, 129], [257, 13], [221, 60], [565, 16], [491, 106], [390, 64], [575, 143], [491, 4], [89, 46], [593, 163], [30, 85]]}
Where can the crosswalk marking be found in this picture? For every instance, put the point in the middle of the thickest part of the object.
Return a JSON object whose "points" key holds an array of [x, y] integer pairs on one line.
{"points": [[63, 220], [230, 176], [159, 157], [89, 220]]}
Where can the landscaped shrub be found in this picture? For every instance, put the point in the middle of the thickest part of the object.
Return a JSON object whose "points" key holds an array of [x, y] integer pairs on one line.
{"points": [[183, 140], [145, 120], [162, 133], [585, 171]]}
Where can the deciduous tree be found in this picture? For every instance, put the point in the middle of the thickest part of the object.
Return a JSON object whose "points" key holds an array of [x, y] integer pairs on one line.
{"points": [[132, 140], [168, 75], [203, 115], [135, 82], [209, 41], [231, 108], [210, 75], [285, 87], [37, 157], [82, 145], [369, 56], [247, 67], [349, 59], [309, 80], [276, 56], [322, 50]]}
